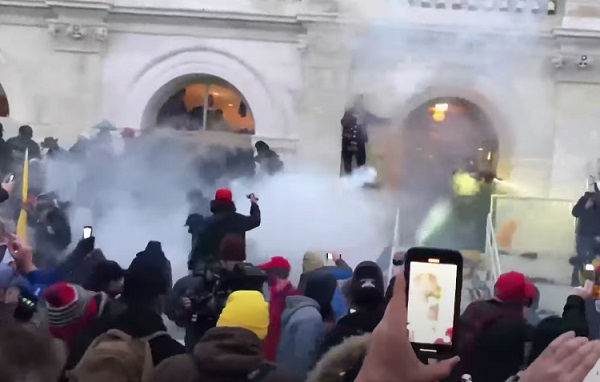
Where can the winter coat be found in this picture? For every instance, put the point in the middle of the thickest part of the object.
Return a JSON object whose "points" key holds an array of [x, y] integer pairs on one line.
{"points": [[137, 322], [19, 144], [487, 329], [588, 219], [223, 355], [353, 324], [279, 290], [342, 362], [225, 220], [302, 330], [340, 272]]}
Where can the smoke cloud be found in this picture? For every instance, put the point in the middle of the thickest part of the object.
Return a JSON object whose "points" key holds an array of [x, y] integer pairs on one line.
{"points": [[141, 196]]}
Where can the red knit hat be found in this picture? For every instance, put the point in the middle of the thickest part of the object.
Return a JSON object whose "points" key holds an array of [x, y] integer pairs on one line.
{"points": [[276, 262], [70, 309], [515, 288], [224, 195]]}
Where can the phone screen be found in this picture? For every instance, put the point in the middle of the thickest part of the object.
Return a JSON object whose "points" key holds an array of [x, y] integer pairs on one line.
{"points": [[329, 256], [11, 178], [431, 302], [87, 232]]}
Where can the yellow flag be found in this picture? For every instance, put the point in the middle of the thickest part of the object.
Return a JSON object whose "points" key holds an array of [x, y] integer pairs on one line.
{"points": [[22, 223]]}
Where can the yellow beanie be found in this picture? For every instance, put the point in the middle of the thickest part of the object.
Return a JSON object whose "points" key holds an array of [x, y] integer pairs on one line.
{"points": [[246, 309]]}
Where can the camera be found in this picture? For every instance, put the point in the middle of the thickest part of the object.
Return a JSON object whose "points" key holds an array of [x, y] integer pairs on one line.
{"points": [[214, 284]]}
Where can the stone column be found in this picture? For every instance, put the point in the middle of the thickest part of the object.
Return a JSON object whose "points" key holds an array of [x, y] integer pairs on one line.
{"points": [[325, 72]]}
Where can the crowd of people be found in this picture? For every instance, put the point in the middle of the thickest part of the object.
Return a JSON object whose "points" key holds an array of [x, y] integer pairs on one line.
{"points": [[81, 317]]}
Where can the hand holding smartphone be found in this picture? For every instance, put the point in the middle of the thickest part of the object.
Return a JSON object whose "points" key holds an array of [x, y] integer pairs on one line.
{"points": [[434, 283]]}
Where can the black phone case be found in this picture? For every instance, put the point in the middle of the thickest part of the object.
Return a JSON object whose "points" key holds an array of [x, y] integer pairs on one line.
{"points": [[422, 254]]}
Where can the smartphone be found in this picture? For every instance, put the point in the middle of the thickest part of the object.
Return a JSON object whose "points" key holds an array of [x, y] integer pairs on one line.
{"points": [[10, 178], [329, 256], [589, 272], [87, 232], [433, 286]]}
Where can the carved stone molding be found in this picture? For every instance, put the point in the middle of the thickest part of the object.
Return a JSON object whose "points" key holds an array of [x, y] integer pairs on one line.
{"points": [[74, 37]]}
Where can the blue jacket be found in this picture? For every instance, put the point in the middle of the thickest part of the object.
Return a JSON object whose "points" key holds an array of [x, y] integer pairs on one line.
{"points": [[302, 330]]}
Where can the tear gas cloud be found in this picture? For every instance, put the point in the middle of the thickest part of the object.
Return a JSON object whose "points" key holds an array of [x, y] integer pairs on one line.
{"points": [[401, 53], [143, 198]]}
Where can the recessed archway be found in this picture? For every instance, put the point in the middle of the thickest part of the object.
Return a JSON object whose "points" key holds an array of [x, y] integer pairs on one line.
{"points": [[442, 135], [438, 137], [4, 106], [199, 102]]}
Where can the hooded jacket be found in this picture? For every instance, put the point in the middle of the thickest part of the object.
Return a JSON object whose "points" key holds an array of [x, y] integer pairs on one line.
{"points": [[342, 362], [302, 329], [223, 355], [225, 220], [137, 322]]}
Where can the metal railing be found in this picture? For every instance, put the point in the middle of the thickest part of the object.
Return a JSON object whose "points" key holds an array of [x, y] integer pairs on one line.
{"points": [[492, 255]]}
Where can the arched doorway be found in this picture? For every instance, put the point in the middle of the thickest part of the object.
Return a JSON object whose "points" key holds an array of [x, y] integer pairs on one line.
{"points": [[199, 102], [438, 138], [4, 107]]}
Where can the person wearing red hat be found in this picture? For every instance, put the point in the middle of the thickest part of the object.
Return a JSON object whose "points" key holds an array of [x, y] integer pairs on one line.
{"points": [[278, 271], [224, 221], [496, 326]]}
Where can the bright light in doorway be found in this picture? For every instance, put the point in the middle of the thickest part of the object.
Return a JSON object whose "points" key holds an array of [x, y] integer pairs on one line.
{"points": [[440, 107], [480, 149]]}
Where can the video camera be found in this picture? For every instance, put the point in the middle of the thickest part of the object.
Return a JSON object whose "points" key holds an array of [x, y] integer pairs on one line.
{"points": [[215, 284]]}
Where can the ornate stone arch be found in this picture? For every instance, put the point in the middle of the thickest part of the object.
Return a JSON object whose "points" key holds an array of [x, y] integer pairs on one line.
{"points": [[271, 118]]}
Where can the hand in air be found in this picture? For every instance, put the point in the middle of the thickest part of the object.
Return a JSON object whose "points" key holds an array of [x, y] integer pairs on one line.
{"points": [[566, 359], [586, 292]]}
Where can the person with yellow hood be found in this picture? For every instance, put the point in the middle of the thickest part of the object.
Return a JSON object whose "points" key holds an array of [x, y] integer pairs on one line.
{"points": [[232, 350]]}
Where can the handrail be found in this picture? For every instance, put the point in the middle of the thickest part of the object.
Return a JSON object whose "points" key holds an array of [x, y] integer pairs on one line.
{"points": [[491, 249], [395, 243]]}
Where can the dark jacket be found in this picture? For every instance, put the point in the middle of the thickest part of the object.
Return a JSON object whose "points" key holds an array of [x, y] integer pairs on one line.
{"points": [[353, 324], [3, 195], [137, 322], [223, 354], [269, 162], [20, 143], [486, 329], [572, 319], [588, 219], [225, 220], [354, 133]]}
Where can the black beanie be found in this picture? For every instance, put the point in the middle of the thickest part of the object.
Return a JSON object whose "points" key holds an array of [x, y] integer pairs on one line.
{"points": [[102, 273]]}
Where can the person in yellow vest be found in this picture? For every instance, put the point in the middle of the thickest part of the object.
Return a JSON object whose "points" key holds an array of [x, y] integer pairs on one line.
{"points": [[465, 184]]}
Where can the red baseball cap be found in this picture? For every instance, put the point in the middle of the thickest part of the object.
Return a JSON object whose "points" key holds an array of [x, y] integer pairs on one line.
{"points": [[276, 262], [515, 288], [224, 194]]}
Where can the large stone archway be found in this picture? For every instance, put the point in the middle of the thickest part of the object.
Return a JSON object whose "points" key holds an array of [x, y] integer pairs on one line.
{"points": [[499, 121], [165, 74]]}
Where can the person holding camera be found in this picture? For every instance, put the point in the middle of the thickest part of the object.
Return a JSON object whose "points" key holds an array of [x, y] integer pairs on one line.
{"points": [[197, 300], [224, 220]]}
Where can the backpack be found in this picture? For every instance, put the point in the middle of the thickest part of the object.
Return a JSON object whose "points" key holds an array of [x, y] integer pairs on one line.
{"points": [[116, 356]]}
